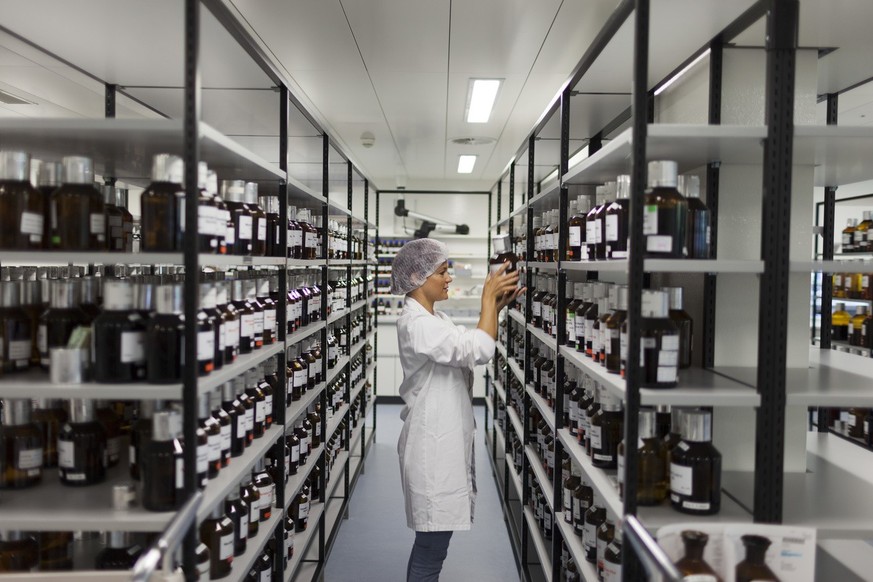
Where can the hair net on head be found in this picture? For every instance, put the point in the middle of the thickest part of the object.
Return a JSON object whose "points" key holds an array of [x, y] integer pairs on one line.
{"points": [[415, 262]]}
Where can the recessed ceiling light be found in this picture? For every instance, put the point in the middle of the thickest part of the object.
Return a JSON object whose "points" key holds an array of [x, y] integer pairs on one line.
{"points": [[480, 99], [466, 163]]}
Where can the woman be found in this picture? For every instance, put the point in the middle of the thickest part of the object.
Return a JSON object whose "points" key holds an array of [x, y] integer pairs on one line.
{"points": [[436, 443]]}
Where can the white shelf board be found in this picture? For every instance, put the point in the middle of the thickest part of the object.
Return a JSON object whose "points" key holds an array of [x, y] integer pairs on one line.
{"points": [[128, 146], [547, 198], [551, 267], [35, 383], [500, 223], [108, 258], [543, 406], [653, 518], [334, 421], [301, 194], [302, 541], [539, 543], [831, 496], [335, 209], [302, 334], [298, 407], [544, 338], [517, 425], [536, 463], [669, 266], [332, 373], [691, 146], [586, 569], [243, 563], [514, 477], [516, 369], [243, 362], [501, 393], [843, 560], [517, 316], [501, 349], [698, 387], [306, 263], [836, 151]]}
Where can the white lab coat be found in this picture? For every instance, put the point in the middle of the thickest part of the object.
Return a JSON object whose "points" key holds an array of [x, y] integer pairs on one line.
{"points": [[436, 443]]}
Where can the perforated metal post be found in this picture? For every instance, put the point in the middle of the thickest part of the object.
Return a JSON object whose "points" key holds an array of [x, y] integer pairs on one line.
{"points": [[782, 21], [716, 64]]}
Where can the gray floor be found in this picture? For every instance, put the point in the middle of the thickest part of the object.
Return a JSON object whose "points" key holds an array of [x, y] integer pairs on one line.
{"points": [[373, 544]]}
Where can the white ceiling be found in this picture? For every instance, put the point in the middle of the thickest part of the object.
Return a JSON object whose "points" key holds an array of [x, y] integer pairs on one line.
{"points": [[399, 69]]}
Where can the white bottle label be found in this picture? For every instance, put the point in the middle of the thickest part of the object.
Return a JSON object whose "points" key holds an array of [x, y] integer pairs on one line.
{"points": [[598, 231], [214, 447], [659, 243], [205, 345], [262, 229], [245, 228], [241, 425], [260, 411], [575, 236], [295, 238], [32, 224], [304, 510], [244, 525], [295, 454], [19, 350], [300, 377], [612, 228], [247, 325], [681, 481], [250, 419], [611, 571], [270, 320], [66, 454], [29, 459], [258, 324], [202, 458], [266, 496], [537, 308], [231, 332], [590, 232], [222, 337], [225, 551], [268, 404], [265, 575], [589, 536], [225, 437], [132, 347], [229, 235], [650, 219], [180, 474], [98, 225], [310, 240]]}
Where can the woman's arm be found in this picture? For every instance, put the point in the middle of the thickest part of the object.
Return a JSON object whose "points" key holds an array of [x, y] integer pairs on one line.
{"points": [[500, 290]]}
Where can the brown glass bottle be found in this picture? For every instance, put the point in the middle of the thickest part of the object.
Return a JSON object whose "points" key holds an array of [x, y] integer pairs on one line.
{"points": [[270, 331], [592, 239], [574, 301], [251, 289], [570, 485], [659, 343], [82, 454], [848, 234], [753, 568], [119, 336], [262, 480], [213, 435], [605, 534], [594, 518], [301, 511], [616, 220], [295, 235], [21, 446], [579, 319], [856, 326], [33, 305], [259, 399], [665, 212], [210, 219], [606, 432], [695, 467], [259, 220], [612, 342], [300, 375], [230, 317], [268, 391], [120, 554], [119, 221], [234, 194], [203, 560], [111, 422], [78, 213], [16, 332], [310, 234], [208, 331], [232, 406], [49, 415], [165, 337], [502, 254], [609, 191], [601, 332], [248, 404], [577, 249], [64, 315], [238, 512], [246, 317], [46, 176], [692, 563], [22, 218], [270, 205], [685, 324], [250, 495], [140, 434], [652, 482], [600, 291], [612, 558], [19, 552], [55, 551], [217, 533]]}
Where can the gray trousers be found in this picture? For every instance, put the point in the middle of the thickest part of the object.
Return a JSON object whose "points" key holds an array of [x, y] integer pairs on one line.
{"points": [[428, 553]]}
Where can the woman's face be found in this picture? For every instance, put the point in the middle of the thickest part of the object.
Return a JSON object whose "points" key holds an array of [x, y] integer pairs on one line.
{"points": [[436, 287]]}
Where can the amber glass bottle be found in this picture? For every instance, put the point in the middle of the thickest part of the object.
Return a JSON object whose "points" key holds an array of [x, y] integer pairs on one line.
{"points": [[577, 249], [863, 236], [82, 455], [310, 234], [248, 404], [683, 321], [695, 467], [22, 219], [120, 554], [212, 429], [612, 335], [250, 495], [849, 236], [238, 512], [665, 212], [78, 213], [271, 329], [21, 446], [652, 482], [692, 564], [856, 326], [262, 480], [232, 406], [259, 220], [259, 399], [606, 432], [217, 533], [502, 253], [594, 518], [214, 316], [230, 317], [270, 204], [165, 337], [840, 320], [234, 192], [60, 319], [609, 192], [55, 551], [210, 219], [112, 423], [19, 552], [295, 235], [753, 568], [49, 415], [616, 220], [119, 336], [659, 343], [119, 222], [246, 315], [140, 435]]}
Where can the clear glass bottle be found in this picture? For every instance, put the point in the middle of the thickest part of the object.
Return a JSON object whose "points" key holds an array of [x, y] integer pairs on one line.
{"points": [[840, 319], [22, 219], [49, 415], [119, 222], [16, 331], [697, 231], [616, 220], [217, 533], [82, 446], [165, 337], [119, 336], [753, 568], [19, 552], [692, 564], [665, 212], [21, 446], [120, 553], [259, 220], [78, 213], [685, 324], [234, 194], [695, 467]]}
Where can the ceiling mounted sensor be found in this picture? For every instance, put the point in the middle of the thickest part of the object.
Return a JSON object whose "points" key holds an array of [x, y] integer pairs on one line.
{"points": [[480, 99], [472, 141], [368, 139], [10, 99]]}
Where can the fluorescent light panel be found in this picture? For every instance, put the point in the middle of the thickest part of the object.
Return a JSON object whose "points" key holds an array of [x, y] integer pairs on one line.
{"points": [[483, 92], [676, 77], [466, 163]]}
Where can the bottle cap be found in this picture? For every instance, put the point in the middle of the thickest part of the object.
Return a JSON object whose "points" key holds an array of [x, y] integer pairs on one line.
{"points": [[251, 377], [675, 295], [259, 466], [90, 288], [169, 299], [81, 410], [144, 293], [67, 365], [689, 186], [622, 298], [578, 290], [239, 384], [663, 173], [852, 222], [233, 494], [44, 173], [117, 295], [251, 193], [162, 426], [237, 287], [608, 402], [228, 394], [203, 410], [656, 304], [65, 293], [168, 168], [868, 215], [501, 243], [10, 294], [14, 166], [862, 310], [233, 190], [270, 204], [121, 196], [16, 411], [48, 403], [840, 306], [647, 427], [623, 184], [123, 496], [78, 170], [208, 296], [697, 426]]}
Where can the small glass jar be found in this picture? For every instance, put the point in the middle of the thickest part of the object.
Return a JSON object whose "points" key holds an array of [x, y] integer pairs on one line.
{"points": [[695, 467], [78, 213], [82, 454], [22, 218], [692, 564], [754, 568], [665, 213]]}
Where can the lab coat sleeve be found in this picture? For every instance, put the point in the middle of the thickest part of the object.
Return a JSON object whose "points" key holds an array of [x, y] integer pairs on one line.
{"points": [[446, 344]]}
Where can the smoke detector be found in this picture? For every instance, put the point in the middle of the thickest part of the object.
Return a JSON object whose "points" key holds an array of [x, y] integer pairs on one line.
{"points": [[368, 139]]}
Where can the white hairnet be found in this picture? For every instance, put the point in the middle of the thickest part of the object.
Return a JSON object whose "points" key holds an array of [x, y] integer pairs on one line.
{"points": [[415, 262]]}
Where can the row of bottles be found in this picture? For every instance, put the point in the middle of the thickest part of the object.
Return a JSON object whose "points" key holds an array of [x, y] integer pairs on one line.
{"points": [[856, 329], [855, 423], [341, 289], [339, 239], [849, 285], [753, 567], [676, 223], [856, 236], [53, 551]]}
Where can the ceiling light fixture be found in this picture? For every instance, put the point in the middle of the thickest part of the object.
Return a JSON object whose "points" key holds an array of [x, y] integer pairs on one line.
{"points": [[466, 163], [480, 99], [675, 77]]}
